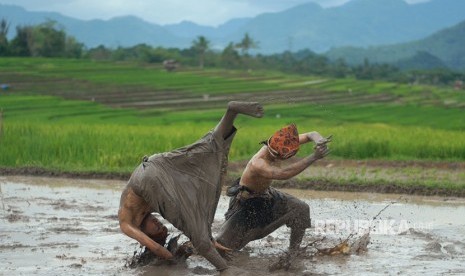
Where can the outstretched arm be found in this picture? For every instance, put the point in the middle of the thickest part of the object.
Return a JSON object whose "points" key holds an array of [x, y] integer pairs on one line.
{"points": [[312, 136], [261, 167]]}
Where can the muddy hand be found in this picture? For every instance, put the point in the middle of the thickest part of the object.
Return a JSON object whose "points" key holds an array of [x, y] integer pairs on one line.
{"points": [[166, 255], [220, 246], [223, 250], [321, 151], [324, 141], [321, 147], [184, 251]]}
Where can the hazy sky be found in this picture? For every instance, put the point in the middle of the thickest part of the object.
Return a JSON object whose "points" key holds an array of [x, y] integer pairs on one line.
{"points": [[204, 12]]}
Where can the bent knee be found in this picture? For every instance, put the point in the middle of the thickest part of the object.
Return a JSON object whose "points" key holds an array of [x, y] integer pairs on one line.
{"points": [[301, 215], [300, 208]]}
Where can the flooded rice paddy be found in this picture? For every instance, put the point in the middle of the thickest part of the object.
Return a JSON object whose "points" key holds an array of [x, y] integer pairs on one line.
{"points": [[59, 226]]}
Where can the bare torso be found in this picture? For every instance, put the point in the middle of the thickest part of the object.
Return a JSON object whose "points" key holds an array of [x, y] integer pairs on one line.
{"points": [[253, 176], [264, 167]]}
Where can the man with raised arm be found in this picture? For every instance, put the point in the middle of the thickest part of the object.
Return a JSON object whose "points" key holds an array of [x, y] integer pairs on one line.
{"points": [[183, 186], [255, 208]]}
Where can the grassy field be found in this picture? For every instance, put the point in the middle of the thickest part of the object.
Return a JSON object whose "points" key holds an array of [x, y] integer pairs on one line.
{"points": [[77, 115]]}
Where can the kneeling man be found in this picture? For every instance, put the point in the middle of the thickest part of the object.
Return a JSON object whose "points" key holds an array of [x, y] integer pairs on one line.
{"points": [[255, 208]]}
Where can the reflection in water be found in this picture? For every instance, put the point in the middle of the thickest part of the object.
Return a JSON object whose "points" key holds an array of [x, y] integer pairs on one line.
{"points": [[53, 226]]}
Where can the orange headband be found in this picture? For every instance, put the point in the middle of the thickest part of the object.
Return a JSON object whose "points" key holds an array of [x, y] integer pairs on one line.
{"points": [[285, 142]]}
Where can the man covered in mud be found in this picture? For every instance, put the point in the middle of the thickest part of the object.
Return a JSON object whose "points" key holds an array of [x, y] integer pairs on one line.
{"points": [[156, 231], [183, 186], [255, 208]]}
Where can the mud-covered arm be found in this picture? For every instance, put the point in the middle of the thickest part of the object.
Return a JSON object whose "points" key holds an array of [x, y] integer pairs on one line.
{"points": [[260, 167], [130, 216], [144, 240], [311, 136]]}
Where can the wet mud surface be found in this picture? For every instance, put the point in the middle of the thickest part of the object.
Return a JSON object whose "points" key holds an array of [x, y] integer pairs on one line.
{"points": [[373, 176], [63, 226]]}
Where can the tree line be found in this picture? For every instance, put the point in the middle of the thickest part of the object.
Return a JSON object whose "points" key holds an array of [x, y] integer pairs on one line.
{"points": [[48, 39], [43, 40]]}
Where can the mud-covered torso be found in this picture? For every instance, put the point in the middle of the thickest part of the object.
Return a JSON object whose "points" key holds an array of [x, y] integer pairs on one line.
{"points": [[253, 177]]}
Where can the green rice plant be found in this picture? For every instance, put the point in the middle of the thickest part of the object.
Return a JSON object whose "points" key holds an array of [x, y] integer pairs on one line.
{"points": [[88, 147], [112, 147], [358, 133]]}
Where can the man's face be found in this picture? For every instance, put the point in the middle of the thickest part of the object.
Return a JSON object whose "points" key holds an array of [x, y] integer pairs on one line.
{"points": [[153, 228]]}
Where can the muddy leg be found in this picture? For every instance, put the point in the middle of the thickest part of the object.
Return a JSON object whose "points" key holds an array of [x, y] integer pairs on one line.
{"points": [[206, 248], [225, 126], [233, 234], [297, 234], [298, 223]]}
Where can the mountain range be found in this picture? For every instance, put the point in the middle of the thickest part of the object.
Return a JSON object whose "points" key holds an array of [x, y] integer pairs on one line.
{"points": [[445, 48], [358, 23]]}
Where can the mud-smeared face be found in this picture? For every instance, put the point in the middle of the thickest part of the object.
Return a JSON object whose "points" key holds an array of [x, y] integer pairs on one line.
{"points": [[154, 229]]}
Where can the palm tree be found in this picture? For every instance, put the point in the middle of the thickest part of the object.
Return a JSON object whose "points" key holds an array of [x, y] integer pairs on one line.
{"points": [[245, 45], [201, 45]]}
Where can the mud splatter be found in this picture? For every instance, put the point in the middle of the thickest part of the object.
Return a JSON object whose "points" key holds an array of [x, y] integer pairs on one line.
{"points": [[66, 226]]}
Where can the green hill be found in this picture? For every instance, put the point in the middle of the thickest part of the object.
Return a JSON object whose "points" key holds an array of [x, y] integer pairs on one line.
{"points": [[445, 47]]}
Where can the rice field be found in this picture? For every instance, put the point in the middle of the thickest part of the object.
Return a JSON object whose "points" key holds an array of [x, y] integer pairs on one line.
{"points": [[78, 115]]}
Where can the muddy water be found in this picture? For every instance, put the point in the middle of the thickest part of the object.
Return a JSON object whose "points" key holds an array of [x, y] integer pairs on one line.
{"points": [[53, 226]]}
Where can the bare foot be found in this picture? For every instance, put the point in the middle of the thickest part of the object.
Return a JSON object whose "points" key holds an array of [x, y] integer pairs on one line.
{"points": [[253, 109]]}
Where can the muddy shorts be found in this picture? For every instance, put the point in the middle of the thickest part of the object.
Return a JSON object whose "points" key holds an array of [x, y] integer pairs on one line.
{"points": [[253, 216]]}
